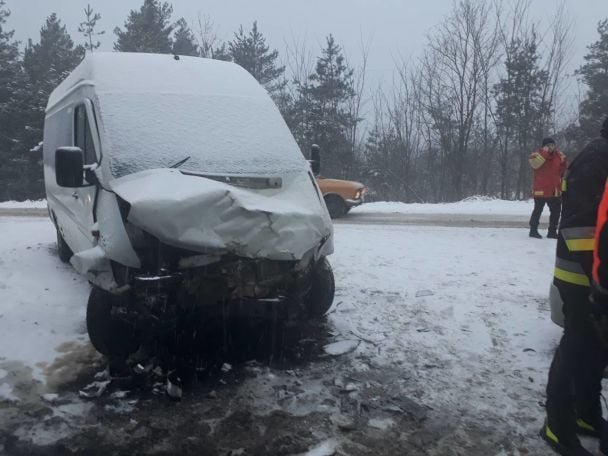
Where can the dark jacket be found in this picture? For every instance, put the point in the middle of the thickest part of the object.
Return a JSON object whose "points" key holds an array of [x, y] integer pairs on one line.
{"points": [[584, 186]]}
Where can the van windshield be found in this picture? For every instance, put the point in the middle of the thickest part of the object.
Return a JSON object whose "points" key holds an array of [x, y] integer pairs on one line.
{"points": [[220, 134]]}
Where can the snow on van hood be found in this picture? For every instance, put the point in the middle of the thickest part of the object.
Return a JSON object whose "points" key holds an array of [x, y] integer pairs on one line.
{"points": [[205, 215]]}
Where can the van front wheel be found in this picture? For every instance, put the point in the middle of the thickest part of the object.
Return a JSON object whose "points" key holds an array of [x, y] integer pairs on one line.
{"points": [[63, 249], [110, 335], [321, 295]]}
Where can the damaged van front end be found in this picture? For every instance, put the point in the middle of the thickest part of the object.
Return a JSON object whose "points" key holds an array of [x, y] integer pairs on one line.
{"points": [[174, 246], [177, 189]]}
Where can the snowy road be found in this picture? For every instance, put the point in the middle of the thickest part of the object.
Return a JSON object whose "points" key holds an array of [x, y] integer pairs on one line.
{"points": [[448, 337], [378, 218]]}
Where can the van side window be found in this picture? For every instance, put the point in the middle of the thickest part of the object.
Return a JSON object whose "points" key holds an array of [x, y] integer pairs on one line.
{"points": [[82, 135]]}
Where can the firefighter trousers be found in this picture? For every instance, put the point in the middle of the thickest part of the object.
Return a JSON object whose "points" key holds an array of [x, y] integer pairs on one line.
{"points": [[574, 385], [555, 206]]}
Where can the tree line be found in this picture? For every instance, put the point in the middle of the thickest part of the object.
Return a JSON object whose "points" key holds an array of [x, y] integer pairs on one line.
{"points": [[457, 121]]}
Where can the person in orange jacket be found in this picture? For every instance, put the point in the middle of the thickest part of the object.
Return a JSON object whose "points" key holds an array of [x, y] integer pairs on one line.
{"points": [[549, 166]]}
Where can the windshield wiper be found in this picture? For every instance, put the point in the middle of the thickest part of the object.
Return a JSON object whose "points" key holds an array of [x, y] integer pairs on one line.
{"points": [[180, 163]]}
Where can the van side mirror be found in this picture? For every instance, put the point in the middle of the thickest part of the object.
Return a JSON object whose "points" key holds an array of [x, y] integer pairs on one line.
{"points": [[69, 167], [315, 159]]}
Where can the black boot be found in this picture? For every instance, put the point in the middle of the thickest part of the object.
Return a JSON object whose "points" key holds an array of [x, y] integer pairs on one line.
{"points": [[565, 446], [535, 234], [592, 428], [552, 234]]}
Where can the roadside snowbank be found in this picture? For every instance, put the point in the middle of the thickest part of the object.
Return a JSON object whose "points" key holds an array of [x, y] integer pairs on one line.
{"points": [[470, 206], [27, 204]]}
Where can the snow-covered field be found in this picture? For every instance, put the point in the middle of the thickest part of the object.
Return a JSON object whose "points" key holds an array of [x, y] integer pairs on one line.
{"points": [[453, 319]]}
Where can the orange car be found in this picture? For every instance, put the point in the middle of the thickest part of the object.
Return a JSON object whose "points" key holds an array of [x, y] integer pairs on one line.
{"points": [[341, 195]]}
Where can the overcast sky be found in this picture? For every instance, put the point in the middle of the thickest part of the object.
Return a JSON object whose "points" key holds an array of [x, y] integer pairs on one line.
{"points": [[392, 27]]}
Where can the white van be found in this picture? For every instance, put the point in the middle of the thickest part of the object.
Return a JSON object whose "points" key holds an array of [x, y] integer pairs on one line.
{"points": [[178, 190]]}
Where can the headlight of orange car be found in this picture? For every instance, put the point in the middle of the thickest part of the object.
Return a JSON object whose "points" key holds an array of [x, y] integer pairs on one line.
{"points": [[360, 193]]}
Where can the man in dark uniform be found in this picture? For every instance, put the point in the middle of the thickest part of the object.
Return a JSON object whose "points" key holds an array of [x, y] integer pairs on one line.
{"points": [[574, 386]]}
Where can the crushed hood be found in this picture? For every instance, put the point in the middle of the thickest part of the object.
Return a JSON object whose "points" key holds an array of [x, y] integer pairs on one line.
{"points": [[206, 215]]}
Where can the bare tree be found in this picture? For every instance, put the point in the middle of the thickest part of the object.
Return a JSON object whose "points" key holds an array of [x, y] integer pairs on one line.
{"points": [[206, 35], [487, 46], [299, 62], [357, 102], [558, 42], [453, 74], [405, 117]]}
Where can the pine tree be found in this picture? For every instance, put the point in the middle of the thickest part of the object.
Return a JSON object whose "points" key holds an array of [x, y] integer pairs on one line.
{"points": [[11, 79], [324, 100], [184, 42], [252, 53], [10, 73], [87, 28], [221, 52], [594, 73], [520, 107], [147, 30], [45, 65]]}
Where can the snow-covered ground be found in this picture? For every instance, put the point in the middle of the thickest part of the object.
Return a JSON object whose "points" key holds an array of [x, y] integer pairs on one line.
{"points": [[455, 319], [42, 300], [463, 310], [470, 206]]}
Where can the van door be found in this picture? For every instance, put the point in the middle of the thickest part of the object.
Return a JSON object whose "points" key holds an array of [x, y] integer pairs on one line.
{"points": [[86, 137]]}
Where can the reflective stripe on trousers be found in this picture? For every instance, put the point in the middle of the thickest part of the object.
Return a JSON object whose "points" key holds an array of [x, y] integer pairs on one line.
{"points": [[571, 272], [579, 239]]}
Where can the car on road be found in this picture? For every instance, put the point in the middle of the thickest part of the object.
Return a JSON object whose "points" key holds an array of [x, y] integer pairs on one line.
{"points": [[177, 189], [341, 195]]}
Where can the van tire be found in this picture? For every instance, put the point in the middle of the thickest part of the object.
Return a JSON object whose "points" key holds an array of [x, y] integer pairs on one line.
{"points": [[323, 287], [63, 249], [109, 335], [335, 206]]}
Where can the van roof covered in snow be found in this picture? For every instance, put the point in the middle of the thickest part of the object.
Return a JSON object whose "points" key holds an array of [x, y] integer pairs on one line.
{"points": [[155, 110], [126, 72]]}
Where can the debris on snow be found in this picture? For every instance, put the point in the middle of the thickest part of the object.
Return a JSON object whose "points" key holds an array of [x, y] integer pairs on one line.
{"points": [[102, 375], [6, 393], [50, 397], [237, 452], [343, 422], [174, 389], [226, 367], [423, 293], [382, 424], [326, 448], [119, 394], [93, 390], [341, 347], [349, 388]]}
